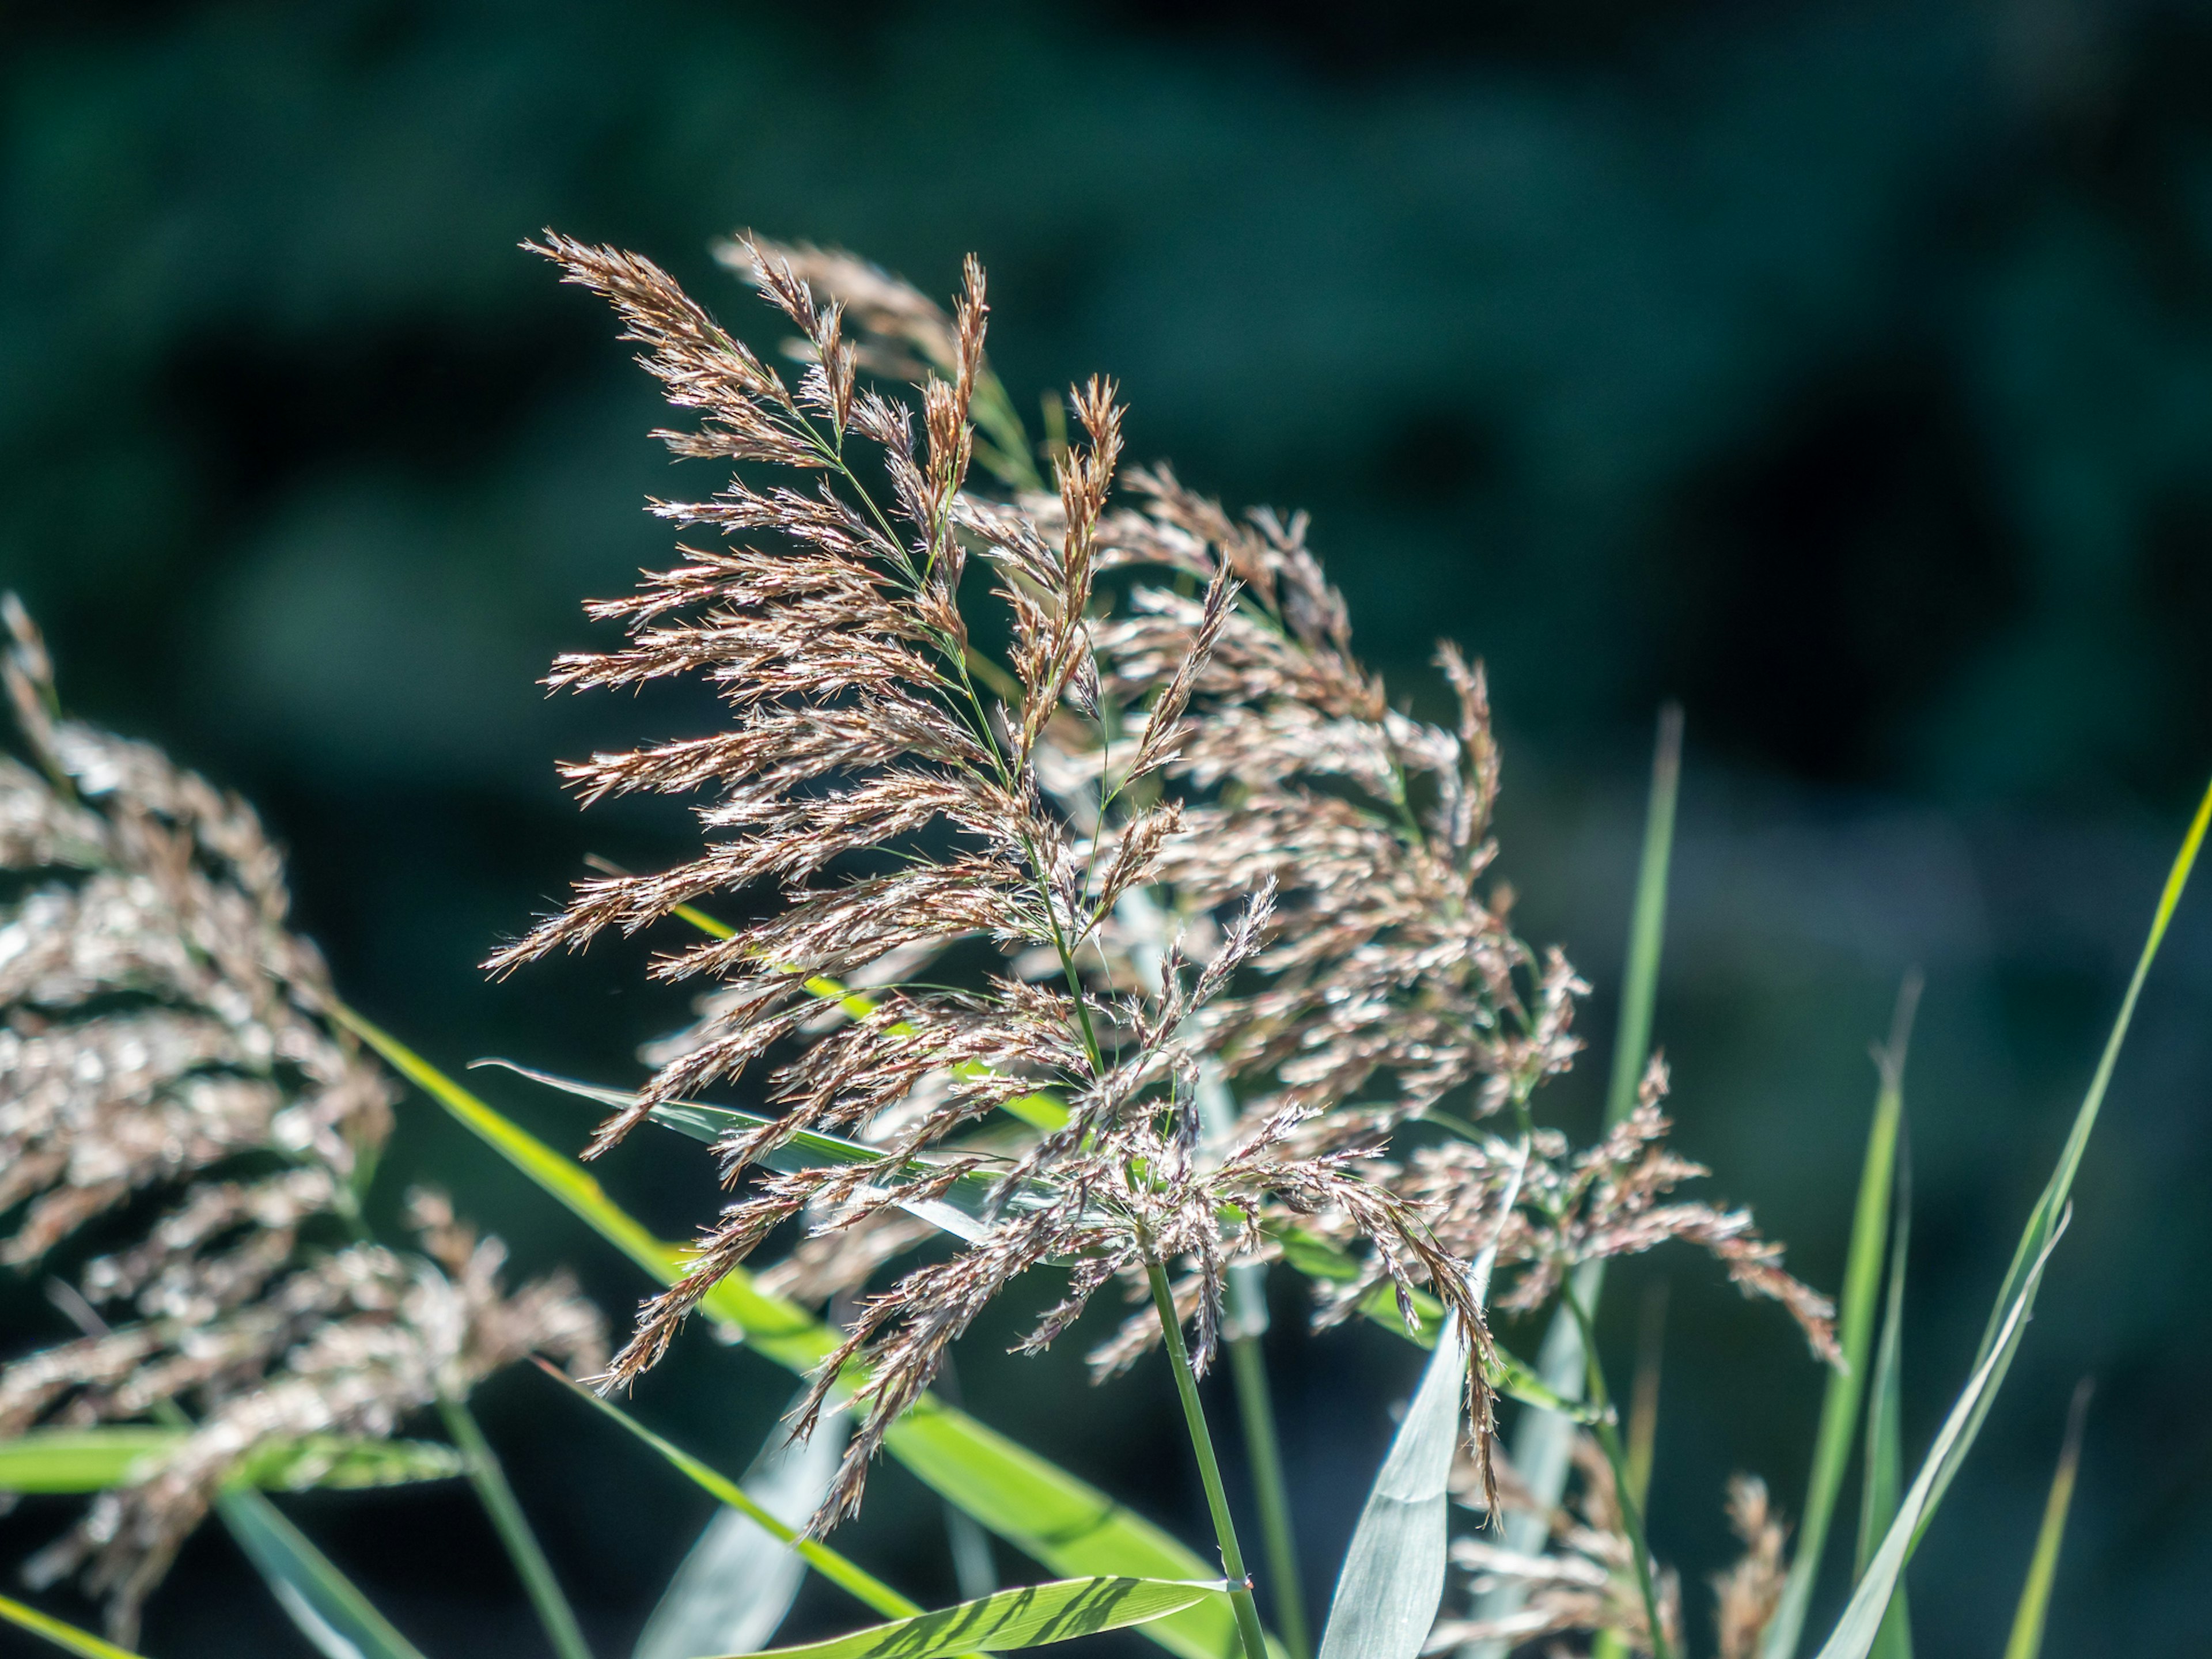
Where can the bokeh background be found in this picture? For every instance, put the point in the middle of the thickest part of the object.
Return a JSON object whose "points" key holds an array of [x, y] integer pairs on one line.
{"points": [[1843, 370]]}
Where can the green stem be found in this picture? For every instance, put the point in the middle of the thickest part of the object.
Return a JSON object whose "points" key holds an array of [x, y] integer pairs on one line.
{"points": [[1256, 1416], [1209, 1469], [490, 1480], [1631, 1512]]}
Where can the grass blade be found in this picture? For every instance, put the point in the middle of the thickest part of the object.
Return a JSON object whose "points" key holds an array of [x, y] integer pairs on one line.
{"points": [[1027, 1617], [1393, 1578], [1840, 1399], [93, 1460], [322, 1602], [1541, 1438], [1855, 1631], [1854, 1636], [736, 1585], [523, 1549], [60, 1632], [846, 1574], [1065, 1523], [2027, 1640], [1884, 1484]]}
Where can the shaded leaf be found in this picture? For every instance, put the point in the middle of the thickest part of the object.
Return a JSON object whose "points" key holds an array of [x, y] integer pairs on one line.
{"points": [[739, 1581], [1393, 1579], [322, 1602]]}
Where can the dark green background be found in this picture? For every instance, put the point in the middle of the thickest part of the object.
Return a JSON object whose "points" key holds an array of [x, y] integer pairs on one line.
{"points": [[1844, 370]]}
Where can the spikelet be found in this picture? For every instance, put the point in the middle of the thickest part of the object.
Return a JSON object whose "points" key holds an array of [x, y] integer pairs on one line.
{"points": [[1568, 1209], [166, 1054], [897, 787]]}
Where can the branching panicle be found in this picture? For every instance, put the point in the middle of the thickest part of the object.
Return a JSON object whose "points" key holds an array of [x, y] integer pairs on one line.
{"points": [[166, 1034]]}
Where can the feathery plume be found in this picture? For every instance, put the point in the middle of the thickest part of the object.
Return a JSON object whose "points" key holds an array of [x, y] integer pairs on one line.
{"points": [[166, 1035], [891, 780]]}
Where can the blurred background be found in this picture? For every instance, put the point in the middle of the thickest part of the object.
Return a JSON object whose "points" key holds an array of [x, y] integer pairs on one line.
{"points": [[1843, 370]]}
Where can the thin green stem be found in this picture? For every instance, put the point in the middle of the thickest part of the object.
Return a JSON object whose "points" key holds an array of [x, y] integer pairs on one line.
{"points": [[1616, 1454], [490, 1480], [1209, 1469], [1256, 1416]]}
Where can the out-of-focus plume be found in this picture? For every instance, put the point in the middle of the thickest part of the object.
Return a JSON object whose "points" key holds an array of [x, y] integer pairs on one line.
{"points": [[172, 1089], [1584, 1582]]}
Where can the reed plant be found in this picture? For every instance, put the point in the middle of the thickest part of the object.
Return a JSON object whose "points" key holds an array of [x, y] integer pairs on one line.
{"points": [[1069, 902]]}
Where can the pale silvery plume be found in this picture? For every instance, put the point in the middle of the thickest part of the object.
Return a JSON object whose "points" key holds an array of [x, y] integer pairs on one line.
{"points": [[871, 775], [1585, 1581], [167, 1061]]}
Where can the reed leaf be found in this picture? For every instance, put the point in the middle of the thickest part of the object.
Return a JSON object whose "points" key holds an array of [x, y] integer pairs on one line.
{"points": [[329, 1610], [1855, 1634], [1065, 1523], [1030, 1617], [735, 1587], [60, 1632], [1884, 1483], [1541, 1438], [49, 1461], [846, 1574], [2027, 1640], [1393, 1578], [1841, 1398]]}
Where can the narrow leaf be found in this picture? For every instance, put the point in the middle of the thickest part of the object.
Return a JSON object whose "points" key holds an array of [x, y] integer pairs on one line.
{"points": [[1393, 1579], [2043, 1220], [962, 1210], [322, 1602], [1885, 1435], [1855, 1631], [735, 1587], [2027, 1640], [1840, 1399], [1027, 1617], [1068, 1524], [824, 1561], [60, 1632], [93, 1460], [1855, 1635], [1542, 1439]]}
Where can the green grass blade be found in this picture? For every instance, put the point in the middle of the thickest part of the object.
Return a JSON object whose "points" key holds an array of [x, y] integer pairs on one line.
{"points": [[1856, 1631], [1027, 1617], [60, 1632], [1647, 929], [322, 1602], [1884, 1483], [1855, 1634], [93, 1460], [1542, 1439], [504, 1510], [1068, 1524], [737, 1584], [1839, 1400], [846, 1574], [2027, 1640]]}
